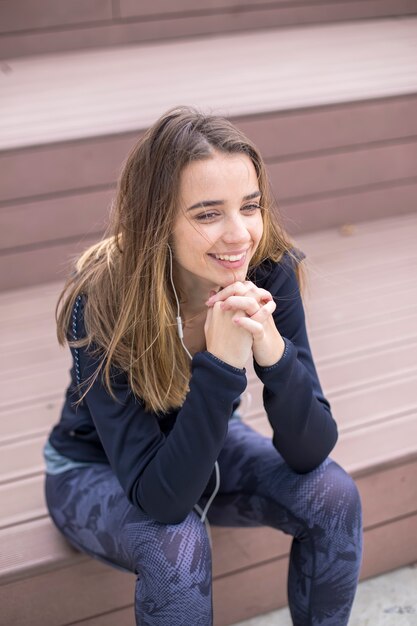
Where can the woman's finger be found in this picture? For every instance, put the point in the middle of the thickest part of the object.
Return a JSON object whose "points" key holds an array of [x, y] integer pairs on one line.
{"points": [[254, 323], [264, 311], [237, 288], [240, 289], [244, 303], [248, 323]]}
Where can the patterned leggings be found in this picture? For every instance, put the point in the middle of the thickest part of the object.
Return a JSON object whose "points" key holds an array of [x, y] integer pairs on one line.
{"points": [[321, 510]]}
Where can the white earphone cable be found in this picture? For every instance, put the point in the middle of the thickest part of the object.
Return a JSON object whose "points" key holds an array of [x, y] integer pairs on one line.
{"points": [[200, 511]]}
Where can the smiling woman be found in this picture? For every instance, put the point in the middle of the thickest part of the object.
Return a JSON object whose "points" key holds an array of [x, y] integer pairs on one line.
{"points": [[195, 277]]}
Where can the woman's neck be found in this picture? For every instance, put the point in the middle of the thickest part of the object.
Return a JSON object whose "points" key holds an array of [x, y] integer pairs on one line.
{"points": [[193, 311], [194, 295]]}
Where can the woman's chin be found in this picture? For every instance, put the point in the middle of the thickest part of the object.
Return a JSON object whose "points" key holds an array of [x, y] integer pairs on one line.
{"points": [[233, 277]]}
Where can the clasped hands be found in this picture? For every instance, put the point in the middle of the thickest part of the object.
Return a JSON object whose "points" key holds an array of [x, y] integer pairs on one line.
{"points": [[239, 321]]}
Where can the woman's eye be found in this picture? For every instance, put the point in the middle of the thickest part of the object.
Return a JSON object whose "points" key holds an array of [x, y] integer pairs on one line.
{"points": [[251, 208], [206, 216]]}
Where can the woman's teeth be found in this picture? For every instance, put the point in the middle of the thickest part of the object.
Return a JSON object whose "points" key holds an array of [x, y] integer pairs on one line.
{"points": [[230, 257]]}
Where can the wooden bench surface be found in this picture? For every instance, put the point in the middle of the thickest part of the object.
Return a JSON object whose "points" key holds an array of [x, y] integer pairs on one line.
{"points": [[361, 305]]}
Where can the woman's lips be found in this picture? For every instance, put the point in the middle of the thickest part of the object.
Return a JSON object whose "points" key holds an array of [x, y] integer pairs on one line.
{"points": [[230, 265]]}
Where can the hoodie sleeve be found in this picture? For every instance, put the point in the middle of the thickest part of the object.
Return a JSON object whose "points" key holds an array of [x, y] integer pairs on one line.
{"points": [[163, 475], [304, 431]]}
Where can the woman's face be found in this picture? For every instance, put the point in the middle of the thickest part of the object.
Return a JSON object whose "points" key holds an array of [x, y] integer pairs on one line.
{"points": [[219, 223]]}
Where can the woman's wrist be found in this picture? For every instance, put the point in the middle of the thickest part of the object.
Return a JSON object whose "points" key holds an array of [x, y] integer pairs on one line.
{"points": [[269, 350]]}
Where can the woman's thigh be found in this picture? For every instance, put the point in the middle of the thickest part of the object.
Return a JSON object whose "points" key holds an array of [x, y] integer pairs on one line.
{"points": [[257, 487], [92, 511]]}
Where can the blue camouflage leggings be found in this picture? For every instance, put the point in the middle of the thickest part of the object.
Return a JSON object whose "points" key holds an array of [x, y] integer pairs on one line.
{"points": [[321, 510]]}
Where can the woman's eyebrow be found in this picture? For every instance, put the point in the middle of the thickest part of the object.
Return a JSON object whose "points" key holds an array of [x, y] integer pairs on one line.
{"points": [[209, 203]]}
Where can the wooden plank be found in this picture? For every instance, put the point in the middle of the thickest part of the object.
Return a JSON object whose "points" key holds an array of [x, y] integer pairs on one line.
{"points": [[349, 374], [364, 337], [134, 30], [40, 384], [23, 502], [16, 334], [80, 165], [25, 15], [130, 8], [332, 248], [360, 309], [97, 589], [51, 356], [277, 134], [122, 617], [324, 290], [21, 297], [250, 592], [54, 218], [22, 459], [376, 401], [377, 446], [389, 546], [35, 547], [388, 494], [339, 172], [347, 207], [50, 263], [46, 338], [27, 421]]}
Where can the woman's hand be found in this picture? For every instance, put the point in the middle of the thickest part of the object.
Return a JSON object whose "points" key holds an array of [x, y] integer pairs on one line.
{"points": [[226, 339], [257, 306]]}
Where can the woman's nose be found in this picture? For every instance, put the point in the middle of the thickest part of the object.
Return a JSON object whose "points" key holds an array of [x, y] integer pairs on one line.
{"points": [[235, 230]]}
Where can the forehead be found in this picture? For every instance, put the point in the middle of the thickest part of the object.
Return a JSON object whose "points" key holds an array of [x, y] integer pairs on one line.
{"points": [[218, 177]]}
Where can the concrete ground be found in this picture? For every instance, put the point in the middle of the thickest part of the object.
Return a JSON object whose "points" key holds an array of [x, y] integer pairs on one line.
{"points": [[387, 600]]}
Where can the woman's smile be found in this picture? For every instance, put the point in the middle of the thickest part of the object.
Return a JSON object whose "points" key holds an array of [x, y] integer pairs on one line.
{"points": [[231, 260]]}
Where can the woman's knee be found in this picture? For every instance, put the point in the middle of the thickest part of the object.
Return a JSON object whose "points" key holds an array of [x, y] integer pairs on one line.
{"points": [[182, 548], [333, 498]]}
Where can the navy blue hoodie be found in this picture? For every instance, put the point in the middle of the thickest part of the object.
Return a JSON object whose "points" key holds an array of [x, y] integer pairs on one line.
{"points": [[164, 462]]}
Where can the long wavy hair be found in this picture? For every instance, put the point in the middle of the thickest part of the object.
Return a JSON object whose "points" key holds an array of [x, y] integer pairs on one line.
{"points": [[129, 311]]}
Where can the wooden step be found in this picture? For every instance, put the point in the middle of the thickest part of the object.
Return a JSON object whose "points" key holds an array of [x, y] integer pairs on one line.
{"points": [[48, 26], [72, 97]]}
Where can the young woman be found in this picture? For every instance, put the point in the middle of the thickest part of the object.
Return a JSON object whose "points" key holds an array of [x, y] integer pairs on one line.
{"points": [[196, 277]]}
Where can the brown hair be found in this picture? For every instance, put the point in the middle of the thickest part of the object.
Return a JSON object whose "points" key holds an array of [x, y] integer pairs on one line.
{"points": [[129, 306]]}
